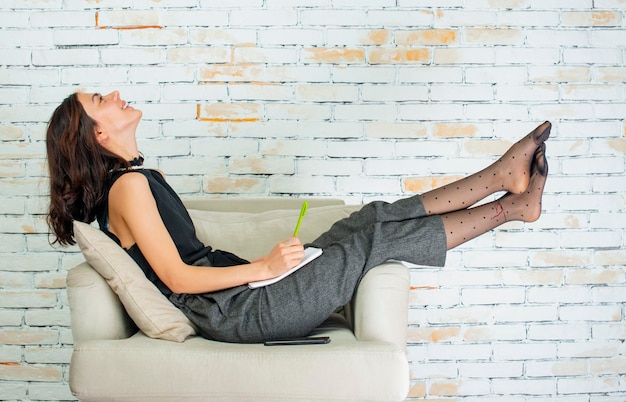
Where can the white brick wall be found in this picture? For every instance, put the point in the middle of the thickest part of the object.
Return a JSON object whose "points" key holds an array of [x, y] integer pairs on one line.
{"points": [[362, 102]]}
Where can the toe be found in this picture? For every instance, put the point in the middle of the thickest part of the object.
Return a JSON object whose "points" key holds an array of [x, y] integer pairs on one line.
{"points": [[542, 132]]}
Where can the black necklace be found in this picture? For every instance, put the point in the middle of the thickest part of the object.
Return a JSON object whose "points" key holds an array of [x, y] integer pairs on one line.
{"points": [[137, 161]]}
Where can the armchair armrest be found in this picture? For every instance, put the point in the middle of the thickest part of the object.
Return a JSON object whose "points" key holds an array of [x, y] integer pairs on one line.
{"points": [[96, 311], [378, 310]]}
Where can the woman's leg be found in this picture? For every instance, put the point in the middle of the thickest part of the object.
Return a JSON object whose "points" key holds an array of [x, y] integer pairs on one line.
{"points": [[509, 173], [466, 224]]}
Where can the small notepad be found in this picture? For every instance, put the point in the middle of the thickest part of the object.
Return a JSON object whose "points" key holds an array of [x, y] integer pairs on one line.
{"points": [[310, 253]]}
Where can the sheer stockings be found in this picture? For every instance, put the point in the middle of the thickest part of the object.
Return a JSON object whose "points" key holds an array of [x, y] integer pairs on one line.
{"points": [[521, 172]]}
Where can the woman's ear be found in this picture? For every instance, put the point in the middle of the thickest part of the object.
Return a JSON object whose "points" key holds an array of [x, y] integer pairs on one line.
{"points": [[101, 136]]}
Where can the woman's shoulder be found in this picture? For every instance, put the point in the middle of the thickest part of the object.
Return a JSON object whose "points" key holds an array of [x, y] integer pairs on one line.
{"points": [[134, 180]]}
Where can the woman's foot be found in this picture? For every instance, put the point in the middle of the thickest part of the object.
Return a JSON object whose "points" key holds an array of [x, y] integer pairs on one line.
{"points": [[514, 167], [526, 206]]}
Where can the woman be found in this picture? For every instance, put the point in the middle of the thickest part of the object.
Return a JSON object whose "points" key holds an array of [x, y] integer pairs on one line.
{"points": [[95, 172]]}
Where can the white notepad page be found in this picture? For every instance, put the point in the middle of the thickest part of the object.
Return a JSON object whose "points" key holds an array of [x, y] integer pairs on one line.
{"points": [[310, 253]]}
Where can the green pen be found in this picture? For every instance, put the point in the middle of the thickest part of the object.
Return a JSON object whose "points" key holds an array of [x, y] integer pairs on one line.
{"points": [[305, 206]]}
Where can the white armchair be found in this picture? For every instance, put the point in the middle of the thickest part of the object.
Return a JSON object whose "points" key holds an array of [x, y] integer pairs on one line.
{"points": [[365, 360]]}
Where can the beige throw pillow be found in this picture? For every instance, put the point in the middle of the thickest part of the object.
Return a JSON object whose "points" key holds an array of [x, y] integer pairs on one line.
{"points": [[149, 309]]}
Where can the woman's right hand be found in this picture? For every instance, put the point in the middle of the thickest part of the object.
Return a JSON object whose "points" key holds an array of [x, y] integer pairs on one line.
{"points": [[284, 256]]}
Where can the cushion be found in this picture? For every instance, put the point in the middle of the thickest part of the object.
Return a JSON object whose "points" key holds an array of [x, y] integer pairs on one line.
{"points": [[252, 235], [152, 312]]}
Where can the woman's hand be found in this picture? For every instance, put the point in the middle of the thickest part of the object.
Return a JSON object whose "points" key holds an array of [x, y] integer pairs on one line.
{"points": [[284, 256]]}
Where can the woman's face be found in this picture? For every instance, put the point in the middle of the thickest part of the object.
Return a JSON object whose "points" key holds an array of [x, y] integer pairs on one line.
{"points": [[111, 113]]}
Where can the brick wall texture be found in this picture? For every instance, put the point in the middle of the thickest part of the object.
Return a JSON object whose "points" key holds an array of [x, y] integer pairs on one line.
{"points": [[359, 100]]}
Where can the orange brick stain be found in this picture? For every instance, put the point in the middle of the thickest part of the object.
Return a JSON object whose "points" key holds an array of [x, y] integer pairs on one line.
{"points": [[377, 37], [333, 55], [426, 37], [423, 184], [605, 18], [454, 130], [230, 185], [397, 56], [124, 27], [433, 334], [228, 112], [444, 388]]}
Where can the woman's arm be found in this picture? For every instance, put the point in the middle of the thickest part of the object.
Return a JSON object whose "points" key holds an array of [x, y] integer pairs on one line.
{"points": [[134, 218]]}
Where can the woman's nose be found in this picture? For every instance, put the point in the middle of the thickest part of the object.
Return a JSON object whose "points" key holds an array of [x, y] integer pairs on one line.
{"points": [[115, 95]]}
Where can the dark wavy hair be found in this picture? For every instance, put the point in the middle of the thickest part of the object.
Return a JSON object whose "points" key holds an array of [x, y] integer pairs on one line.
{"points": [[79, 169]]}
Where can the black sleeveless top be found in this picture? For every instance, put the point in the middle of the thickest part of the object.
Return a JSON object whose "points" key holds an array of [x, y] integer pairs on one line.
{"points": [[178, 224]]}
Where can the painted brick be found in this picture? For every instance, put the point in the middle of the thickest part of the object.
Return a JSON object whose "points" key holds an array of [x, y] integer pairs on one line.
{"points": [[228, 185], [272, 18], [356, 36], [128, 18], [559, 295], [502, 332], [587, 385], [13, 390], [525, 351], [355, 74], [185, 184], [430, 74], [14, 19], [48, 391], [11, 317], [436, 334], [318, 74], [493, 296], [257, 92], [548, 332], [359, 149], [139, 56], [326, 93], [288, 111], [53, 19], [261, 165], [213, 36], [330, 17], [47, 318], [291, 37], [28, 337], [590, 313], [223, 147], [328, 167], [525, 313], [531, 386], [439, 351], [301, 185], [367, 185], [38, 355], [247, 54], [609, 331], [459, 388], [265, 130], [552, 368], [608, 366], [31, 373], [365, 112], [190, 92], [73, 37], [295, 148]]}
